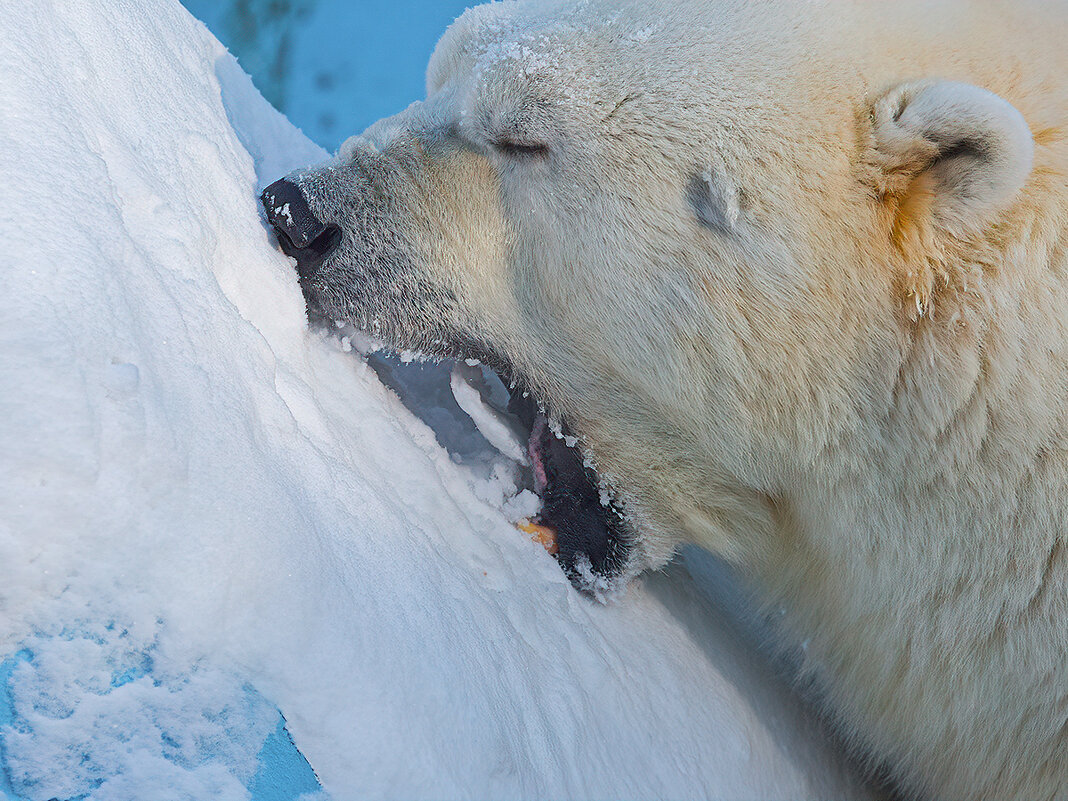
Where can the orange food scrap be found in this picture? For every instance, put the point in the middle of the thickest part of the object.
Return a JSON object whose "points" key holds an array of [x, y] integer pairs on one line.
{"points": [[543, 535]]}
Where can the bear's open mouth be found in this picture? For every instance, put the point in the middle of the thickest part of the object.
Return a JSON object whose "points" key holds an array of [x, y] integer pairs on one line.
{"points": [[581, 522], [591, 531]]}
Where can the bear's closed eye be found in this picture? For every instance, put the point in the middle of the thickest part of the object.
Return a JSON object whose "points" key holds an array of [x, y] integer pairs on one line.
{"points": [[523, 149]]}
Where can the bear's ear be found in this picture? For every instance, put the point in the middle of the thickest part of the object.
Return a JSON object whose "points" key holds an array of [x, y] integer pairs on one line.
{"points": [[949, 157], [968, 150]]}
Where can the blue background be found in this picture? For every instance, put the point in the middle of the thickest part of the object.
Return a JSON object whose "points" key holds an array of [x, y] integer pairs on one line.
{"points": [[332, 66]]}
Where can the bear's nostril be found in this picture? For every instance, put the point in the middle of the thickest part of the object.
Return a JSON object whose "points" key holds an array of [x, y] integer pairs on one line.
{"points": [[300, 233], [317, 251]]}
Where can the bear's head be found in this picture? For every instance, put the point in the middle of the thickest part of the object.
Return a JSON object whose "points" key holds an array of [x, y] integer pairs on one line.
{"points": [[704, 241]]}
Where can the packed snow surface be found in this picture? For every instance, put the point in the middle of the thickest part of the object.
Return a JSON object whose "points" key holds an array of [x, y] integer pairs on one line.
{"points": [[232, 564]]}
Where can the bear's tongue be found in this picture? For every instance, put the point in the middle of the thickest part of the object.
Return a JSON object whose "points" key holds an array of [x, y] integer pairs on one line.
{"points": [[536, 453]]}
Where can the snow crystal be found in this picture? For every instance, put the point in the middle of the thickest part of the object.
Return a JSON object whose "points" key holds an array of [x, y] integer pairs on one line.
{"points": [[645, 33], [524, 505], [284, 210]]}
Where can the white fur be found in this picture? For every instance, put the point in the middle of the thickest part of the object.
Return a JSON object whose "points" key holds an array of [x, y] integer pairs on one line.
{"points": [[922, 122], [850, 377]]}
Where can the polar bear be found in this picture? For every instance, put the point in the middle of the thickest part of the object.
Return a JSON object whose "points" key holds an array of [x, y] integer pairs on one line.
{"points": [[795, 275]]}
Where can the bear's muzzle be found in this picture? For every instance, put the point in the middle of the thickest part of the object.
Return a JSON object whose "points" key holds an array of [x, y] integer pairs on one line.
{"points": [[300, 233]]}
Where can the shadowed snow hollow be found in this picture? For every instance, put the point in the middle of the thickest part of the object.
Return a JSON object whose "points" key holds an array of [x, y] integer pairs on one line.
{"points": [[232, 564]]}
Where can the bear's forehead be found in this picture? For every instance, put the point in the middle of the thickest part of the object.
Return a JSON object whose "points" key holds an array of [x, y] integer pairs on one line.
{"points": [[562, 44], [504, 41], [576, 51]]}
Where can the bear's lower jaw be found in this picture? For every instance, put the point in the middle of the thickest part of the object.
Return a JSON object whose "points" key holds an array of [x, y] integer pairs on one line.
{"points": [[592, 537]]}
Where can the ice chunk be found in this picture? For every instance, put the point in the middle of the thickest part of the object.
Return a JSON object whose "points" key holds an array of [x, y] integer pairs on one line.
{"points": [[500, 429]]}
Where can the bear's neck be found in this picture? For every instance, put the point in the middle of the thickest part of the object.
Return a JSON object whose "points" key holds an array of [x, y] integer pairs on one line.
{"points": [[932, 552]]}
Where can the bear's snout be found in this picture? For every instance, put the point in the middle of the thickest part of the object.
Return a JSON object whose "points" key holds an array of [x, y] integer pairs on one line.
{"points": [[300, 233]]}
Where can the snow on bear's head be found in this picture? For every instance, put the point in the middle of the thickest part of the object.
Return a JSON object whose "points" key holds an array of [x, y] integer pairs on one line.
{"points": [[702, 236]]}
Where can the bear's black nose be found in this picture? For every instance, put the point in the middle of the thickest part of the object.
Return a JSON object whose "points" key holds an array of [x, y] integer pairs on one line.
{"points": [[300, 233]]}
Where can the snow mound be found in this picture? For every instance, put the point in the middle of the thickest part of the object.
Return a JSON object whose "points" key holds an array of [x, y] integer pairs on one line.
{"points": [[232, 564]]}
